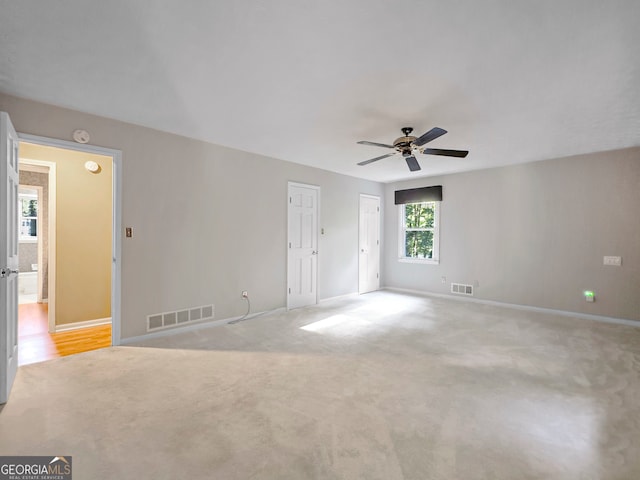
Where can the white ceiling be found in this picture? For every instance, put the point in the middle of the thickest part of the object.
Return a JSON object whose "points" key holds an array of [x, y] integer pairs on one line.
{"points": [[511, 80]]}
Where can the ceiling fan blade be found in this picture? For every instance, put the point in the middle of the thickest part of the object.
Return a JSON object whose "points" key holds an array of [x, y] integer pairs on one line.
{"points": [[429, 136], [366, 162], [446, 153], [374, 144], [412, 163]]}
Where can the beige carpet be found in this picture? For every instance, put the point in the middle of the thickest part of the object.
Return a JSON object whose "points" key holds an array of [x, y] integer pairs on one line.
{"points": [[382, 386]]}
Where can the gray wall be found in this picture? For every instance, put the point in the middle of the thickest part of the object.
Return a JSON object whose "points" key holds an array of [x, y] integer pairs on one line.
{"points": [[28, 255], [208, 221], [535, 234]]}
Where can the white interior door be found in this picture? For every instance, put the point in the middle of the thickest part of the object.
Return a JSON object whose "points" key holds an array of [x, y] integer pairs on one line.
{"points": [[302, 277], [9, 183], [369, 258]]}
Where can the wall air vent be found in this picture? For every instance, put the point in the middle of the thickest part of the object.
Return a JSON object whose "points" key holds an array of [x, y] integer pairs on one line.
{"points": [[176, 318], [460, 289]]}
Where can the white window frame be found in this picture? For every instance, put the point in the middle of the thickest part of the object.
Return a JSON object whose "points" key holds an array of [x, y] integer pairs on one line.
{"points": [[436, 236], [38, 196]]}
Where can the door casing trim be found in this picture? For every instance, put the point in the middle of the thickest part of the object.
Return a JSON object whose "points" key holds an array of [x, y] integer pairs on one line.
{"points": [[116, 196]]}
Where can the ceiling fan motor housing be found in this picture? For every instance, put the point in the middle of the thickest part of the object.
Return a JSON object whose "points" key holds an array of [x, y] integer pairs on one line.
{"points": [[405, 144]]}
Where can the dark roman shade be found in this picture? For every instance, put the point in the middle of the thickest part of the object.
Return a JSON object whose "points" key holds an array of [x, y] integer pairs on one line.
{"points": [[419, 195]]}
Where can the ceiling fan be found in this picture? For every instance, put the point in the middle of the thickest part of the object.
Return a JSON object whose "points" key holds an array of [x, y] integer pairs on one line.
{"points": [[408, 146]]}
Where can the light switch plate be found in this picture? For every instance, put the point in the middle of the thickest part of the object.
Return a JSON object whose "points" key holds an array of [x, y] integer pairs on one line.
{"points": [[615, 261]]}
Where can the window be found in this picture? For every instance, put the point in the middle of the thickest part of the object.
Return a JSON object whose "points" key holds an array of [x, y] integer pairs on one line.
{"points": [[28, 205], [419, 236]]}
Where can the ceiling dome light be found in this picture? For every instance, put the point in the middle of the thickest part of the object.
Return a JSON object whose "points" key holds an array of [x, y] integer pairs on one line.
{"points": [[92, 166]]}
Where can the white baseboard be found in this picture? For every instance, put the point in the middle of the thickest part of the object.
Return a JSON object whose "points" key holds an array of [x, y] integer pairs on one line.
{"points": [[167, 332], [190, 328], [338, 297], [77, 325], [225, 321], [564, 313]]}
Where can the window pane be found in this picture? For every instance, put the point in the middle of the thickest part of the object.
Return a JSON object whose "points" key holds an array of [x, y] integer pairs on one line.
{"points": [[418, 245], [28, 227], [28, 210], [419, 215], [29, 207]]}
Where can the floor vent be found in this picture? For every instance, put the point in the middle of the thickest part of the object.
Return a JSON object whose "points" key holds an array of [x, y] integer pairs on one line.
{"points": [[179, 317], [461, 289]]}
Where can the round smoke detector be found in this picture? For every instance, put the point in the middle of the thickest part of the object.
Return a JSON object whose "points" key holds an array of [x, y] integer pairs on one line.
{"points": [[81, 136]]}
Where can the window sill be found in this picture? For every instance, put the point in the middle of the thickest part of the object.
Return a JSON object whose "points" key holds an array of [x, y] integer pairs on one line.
{"points": [[27, 240], [424, 261]]}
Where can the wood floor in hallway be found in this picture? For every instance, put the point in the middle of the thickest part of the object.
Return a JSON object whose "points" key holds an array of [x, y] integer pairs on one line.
{"points": [[36, 344]]}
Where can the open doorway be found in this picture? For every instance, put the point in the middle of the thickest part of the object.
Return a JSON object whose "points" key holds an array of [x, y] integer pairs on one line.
{"points": [[66, 217]]}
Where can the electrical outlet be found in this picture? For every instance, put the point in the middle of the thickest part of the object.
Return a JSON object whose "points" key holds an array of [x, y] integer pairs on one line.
{"points": [[245, 294], [589, 296], [443, 279]]}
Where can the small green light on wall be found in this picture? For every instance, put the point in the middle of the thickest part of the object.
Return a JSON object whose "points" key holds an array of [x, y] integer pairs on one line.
{"points": [[589, 296]]}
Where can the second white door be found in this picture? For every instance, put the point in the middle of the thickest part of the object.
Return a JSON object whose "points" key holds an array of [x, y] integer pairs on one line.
{"points": [[303, 245], [369, 256]]}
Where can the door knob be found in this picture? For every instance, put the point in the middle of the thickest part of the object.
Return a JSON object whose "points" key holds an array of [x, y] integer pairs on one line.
{"points": [[314, 253], [5, 272]]}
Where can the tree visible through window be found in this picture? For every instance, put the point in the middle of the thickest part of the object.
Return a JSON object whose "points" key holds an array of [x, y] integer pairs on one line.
{"points": [[419, 231], [28, 206]]}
